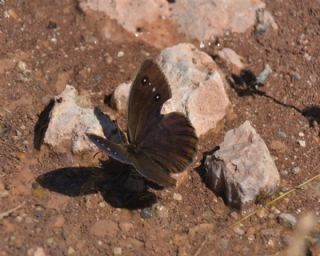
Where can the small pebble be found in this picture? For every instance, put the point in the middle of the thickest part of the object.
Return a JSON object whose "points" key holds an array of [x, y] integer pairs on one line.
{"points": [[282, 134], [97, 77], [287, 220], [117, 251], [39, 252], [161, 211], [102, 205], [52, 25], [50, 241], [238, 230], [120, 54], [301, 134], [296, 170], [295, 76], [177, 196], [71, 251], [234, 215], [146, 213], [302, 143], [39, 213]]}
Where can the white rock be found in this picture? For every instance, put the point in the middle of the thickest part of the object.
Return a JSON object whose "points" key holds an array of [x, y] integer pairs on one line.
{"points": [[302, 143], [196, 83], [71, 117], [39, 252], [242, 169]]}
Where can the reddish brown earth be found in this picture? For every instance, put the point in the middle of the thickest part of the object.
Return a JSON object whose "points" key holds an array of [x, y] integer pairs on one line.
{"points": [[57, 224]]}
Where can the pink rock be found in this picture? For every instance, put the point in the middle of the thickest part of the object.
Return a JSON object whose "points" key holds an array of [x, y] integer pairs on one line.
{"points": [[196, 83], [232, 59], [242, 169], [71, 117], [161, 21]]}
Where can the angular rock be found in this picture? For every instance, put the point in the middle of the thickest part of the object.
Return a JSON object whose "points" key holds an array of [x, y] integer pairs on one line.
{"points": [[264, 22], [287, 219], [71, 117], [162, 21], [232, 59], [242, 169], [196, 83]]}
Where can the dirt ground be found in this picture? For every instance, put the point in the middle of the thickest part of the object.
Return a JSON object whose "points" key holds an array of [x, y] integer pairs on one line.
{"points": [[60, 45]]}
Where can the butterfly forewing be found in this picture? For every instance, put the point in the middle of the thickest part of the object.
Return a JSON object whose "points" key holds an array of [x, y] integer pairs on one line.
{"points": [[148, 93]]}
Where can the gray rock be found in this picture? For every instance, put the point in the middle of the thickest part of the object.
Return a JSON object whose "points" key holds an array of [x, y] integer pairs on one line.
{"points": [[196, 83], [287, 220], [146, 213], [264, 22], [242, 169], [264, 74], [71, 117]]}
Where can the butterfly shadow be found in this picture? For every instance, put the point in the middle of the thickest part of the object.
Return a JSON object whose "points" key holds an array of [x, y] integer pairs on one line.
{"points": [[246, 84], [119, 185]]}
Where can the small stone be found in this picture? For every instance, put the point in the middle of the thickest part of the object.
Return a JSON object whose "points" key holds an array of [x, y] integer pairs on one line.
{"points": [[50, 241], [120, 54], [262, 213], [125, 226], [238, 230], [146, 213], [39, 252], [281, 134], [39, 213], [296, 170], [97, 77], [102, 205], [301, 134], [234, 215], [117, 250], [302, 143], [232, 59], [287, 220], [177, 196], [161, 211], [265, 73], [52, 25], [71, 250], [295, 76], [58, 222]]}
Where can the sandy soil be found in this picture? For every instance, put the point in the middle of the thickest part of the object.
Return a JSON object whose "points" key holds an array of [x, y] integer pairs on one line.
{"points": [[75, 216]]}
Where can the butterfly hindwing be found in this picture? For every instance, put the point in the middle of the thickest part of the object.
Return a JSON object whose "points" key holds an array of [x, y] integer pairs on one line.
{"points": [[171, 142]]}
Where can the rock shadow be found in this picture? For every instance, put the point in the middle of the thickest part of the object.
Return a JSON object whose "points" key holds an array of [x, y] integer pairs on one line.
{"points": [[119, 185], [42, 125]]}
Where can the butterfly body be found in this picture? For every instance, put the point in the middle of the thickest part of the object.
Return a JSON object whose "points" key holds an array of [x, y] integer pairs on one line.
{"points": [[157, 144]]}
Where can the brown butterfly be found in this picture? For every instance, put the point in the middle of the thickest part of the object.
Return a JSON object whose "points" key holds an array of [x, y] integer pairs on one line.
{"points": [[157, 144]]}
